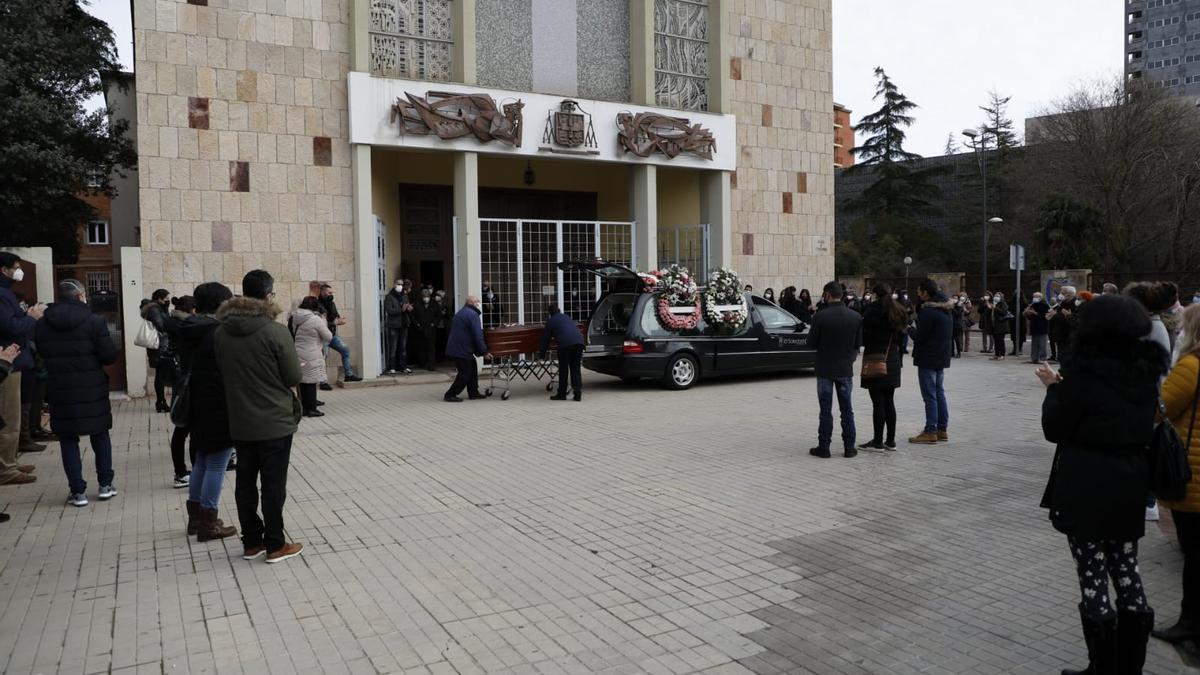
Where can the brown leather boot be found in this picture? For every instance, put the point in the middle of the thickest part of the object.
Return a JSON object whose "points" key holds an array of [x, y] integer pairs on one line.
{"points": [[211, 527], [193, 514], [924, 438]]}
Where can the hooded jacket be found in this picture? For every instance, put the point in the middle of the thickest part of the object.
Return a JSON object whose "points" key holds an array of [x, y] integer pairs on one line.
{"points": [[932, 343], [208, 415], [15, 326], [75, 346], [312, 334], [1101, 416], [259, 367]]}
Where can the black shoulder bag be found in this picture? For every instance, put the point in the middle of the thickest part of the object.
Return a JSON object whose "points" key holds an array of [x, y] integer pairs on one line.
{"points": [[1170, 471]]}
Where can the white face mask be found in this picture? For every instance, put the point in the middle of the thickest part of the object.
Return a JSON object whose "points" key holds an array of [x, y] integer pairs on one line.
{"points": [[1037, 298], [18, 275], [895, 296], [997, 299]]}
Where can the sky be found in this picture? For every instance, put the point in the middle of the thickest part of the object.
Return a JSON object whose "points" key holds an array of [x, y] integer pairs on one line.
{"points": [[946, 55]]}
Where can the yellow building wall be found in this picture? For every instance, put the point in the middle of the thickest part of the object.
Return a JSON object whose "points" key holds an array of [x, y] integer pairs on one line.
{"points": [[389, 170], [609, 181]]}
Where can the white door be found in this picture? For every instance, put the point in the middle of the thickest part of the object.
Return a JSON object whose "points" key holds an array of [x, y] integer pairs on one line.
{"points": [[381, 284]]}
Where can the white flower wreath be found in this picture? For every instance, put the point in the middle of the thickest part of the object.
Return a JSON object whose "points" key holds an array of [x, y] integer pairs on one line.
{"points": [[724, 303], [676, 290]]}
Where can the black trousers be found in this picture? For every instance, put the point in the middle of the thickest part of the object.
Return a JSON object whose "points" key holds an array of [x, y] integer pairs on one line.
{"points": [[308, 397], [429, 349], [268, 461], [570, 362], [467, 378], [1187, 531], [37, 399], [883, 413], [179, 439], [998, 343]]}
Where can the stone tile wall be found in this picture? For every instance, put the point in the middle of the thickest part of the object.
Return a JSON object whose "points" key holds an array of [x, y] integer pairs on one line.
{"points": [[782, 75], [242, 144]]}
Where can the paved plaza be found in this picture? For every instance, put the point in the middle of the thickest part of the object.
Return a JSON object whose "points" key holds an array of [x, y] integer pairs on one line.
{"points": [[641, 531]]}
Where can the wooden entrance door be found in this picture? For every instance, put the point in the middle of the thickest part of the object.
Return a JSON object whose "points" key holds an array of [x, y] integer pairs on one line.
{"points": [[427, 243]]}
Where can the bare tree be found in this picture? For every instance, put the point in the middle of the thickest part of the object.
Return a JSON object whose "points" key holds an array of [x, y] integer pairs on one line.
{"points": [[1132, 155]]}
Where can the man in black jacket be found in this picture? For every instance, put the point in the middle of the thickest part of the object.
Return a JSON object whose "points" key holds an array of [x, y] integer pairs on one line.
{"points": [[931, 356], [75, 344], [334, 319], [425, 317], [397, 309], [566, 335], [836, 334]]}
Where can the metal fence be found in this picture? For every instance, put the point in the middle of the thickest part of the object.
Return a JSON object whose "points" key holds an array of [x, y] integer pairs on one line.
{"points": [[520, 264], [685, 245]]}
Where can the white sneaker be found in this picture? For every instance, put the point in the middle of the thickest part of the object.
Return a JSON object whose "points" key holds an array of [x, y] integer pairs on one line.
{"points": [[77, 499], [1152, 513], [181, 481], [107, 492]]}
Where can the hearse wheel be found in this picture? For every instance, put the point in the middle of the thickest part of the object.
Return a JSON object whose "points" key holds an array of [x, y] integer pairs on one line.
{"points": [[682, 372]]}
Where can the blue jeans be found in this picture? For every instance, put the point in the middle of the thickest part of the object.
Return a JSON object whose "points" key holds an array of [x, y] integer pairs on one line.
{"points": [[933, 392], [73, 464], [208, 475], [825, 389], [340, 347]]}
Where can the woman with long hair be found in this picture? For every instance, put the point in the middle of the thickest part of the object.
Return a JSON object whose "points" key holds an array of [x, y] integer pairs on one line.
{"points": [[184, 309], [806, 306], [884, 324], [312, 334], [1100, 411], [1179, 395], [155, 311]]}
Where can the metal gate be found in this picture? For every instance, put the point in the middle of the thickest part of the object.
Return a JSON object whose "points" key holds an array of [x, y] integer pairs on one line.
{"points": [[520, 264], [685, 245]]}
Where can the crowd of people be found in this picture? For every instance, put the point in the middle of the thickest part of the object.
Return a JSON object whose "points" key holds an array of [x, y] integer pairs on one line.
{"points": [[1130, 363]]}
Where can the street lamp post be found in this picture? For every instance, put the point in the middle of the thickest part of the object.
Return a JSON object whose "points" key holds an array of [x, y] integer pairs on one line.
{"points": [[979, 144], [907, 263]]}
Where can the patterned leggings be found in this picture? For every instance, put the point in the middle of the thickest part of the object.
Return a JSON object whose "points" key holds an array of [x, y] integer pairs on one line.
{"points": [[1095, 562]]}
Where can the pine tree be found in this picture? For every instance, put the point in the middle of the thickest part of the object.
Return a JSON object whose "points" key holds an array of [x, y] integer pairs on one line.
{"points": [[998, 125], [951, 145], [901, 190], [52, 55]]}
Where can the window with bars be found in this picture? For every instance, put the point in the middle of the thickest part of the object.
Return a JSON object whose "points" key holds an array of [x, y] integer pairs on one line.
{"points": [[98, 282], [681, 53], [411, 39]]}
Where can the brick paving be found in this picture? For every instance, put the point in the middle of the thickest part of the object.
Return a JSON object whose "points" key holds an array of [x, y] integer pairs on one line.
{"points": [[641, 531]]}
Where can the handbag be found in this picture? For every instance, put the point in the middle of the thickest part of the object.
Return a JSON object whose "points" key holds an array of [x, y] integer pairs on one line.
{"points": [[1170, 471], [147, 336], [875, 365]]}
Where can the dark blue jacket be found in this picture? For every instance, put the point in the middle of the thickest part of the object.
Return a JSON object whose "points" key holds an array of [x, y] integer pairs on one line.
{"points": [[15, 326], [75, 345], [466, 335], [933, 336], [564, 331]]}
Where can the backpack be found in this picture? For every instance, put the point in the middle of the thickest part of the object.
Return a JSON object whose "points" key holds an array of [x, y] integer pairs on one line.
{"points": [[147, 336]]}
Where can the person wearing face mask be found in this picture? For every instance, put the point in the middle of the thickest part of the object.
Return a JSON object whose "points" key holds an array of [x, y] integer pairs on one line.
{"points": [[985, 322], [1062, 322], [162, 360], [466, 342], [16, 327], [769, 294], [426, 315], [333, 320], [443, 332], [1039, 328], [805, 307], [967, 322], [397, 316], [76, 346], [492, 316], [1001, 320]]}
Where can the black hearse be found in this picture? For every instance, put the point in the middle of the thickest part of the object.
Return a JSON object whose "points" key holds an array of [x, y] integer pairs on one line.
{"points": [[626, 339]]}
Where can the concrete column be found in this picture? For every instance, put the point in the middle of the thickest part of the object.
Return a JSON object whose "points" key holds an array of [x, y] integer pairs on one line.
{"points": [[641, 51], [716, 209], [132, 292], [644, 202], [366, 291], [360, 39], [464, 40], [468, 266], [720, 85]]}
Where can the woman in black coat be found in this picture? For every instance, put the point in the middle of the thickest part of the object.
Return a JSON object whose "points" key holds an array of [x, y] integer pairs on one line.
{"points": [[884, 323], [805, 308], [208, 416], [1100, 411], [157, 312], [75, 346], [1001, 318]]}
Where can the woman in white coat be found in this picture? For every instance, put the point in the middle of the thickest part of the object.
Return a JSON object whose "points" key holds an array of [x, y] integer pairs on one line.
{"points": [[312, 334]]}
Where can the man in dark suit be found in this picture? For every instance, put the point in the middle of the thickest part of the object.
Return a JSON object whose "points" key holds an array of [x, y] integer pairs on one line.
{"points": [[465, 343], [836, 334], [566, 335]]}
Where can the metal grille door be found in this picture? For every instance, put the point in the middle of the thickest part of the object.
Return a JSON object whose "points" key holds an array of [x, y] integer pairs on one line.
{"points": [[685, 245], [520, 263]]}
